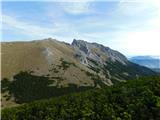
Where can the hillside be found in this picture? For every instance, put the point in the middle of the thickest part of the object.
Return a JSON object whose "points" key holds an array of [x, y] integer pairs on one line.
{"points": [[59, 67], [133, 100], [43, 58], [107, 62]]}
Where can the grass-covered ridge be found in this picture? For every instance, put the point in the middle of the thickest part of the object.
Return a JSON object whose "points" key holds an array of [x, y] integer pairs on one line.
{"points": [[132, 100]]}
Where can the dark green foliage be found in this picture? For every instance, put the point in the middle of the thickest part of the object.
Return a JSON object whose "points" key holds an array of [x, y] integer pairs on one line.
{"points": [[97, 80], [93, 61], [54, 70], [4, 85], [117, 69], [95, 69], [88, 73], [134, 100], [65, 64], [27, 88]]}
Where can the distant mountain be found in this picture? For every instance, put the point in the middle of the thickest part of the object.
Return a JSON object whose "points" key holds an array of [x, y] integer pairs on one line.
{"points": [[156, 69], [49, 65], [143, 57], [147, 61]]}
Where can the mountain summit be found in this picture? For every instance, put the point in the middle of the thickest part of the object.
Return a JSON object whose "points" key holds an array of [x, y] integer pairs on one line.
{"points": [[43, 56], [81, 63], [97, 52]]}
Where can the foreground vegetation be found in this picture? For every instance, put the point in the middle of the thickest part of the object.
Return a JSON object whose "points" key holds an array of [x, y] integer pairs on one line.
{"points": [[134, 100]]}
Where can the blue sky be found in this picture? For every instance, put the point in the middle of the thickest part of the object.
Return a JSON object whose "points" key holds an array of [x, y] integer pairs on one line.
{"points": [[129, 26]]}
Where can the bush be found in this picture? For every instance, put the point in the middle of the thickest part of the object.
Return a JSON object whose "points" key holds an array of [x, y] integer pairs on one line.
{"points": [[134, 100]]}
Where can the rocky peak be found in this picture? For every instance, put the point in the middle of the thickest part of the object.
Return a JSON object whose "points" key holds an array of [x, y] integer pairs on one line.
{"points": [[97, 52], [82, 45]]}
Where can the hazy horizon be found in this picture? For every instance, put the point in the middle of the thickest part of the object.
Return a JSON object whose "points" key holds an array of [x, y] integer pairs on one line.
{"points": [[131, 27]]}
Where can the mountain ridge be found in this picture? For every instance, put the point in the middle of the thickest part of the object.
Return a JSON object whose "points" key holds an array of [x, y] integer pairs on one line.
{"points": [[148, 61], [81, 63], [82, 50]]}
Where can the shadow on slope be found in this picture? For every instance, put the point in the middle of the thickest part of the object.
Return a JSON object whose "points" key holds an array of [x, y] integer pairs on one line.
{"points": [[26, 87]]}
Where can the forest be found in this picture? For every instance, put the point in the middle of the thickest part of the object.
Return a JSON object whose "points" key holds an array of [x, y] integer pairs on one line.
{"points": [[137, 99]]}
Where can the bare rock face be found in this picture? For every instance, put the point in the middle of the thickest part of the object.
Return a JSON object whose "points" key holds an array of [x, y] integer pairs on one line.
{"points": [[107, 63], [96, 52]]}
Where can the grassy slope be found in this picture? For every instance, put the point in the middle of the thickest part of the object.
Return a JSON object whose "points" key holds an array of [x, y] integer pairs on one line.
{"points": [[32, 56]]}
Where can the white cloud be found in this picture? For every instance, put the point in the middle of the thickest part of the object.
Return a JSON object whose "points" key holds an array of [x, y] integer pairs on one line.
{"points": [[35, 31], [27, 28], [133, 7], [142, 43], [76, 7], [58, 30], [145, 42], [126, 32]]}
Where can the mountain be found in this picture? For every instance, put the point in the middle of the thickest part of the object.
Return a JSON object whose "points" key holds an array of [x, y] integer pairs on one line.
{"points": [[105, 61], [96, 52], [46, 68], [46, 57], [147, 61]]}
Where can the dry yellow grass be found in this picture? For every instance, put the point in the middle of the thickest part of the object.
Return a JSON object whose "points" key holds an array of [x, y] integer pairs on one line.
{"points": [[40, 57]]}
